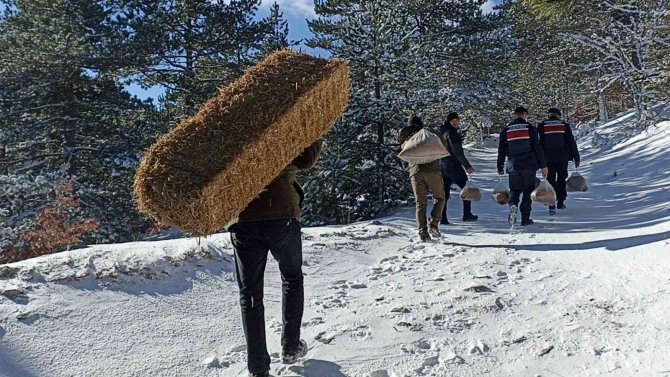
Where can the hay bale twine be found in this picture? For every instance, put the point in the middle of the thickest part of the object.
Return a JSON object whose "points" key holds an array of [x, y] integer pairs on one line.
{"points": [[204, 172]]}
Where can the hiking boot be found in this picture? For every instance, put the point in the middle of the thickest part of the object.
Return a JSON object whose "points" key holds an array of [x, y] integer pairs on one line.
{"points": [[470, 218], [552, 210], [511, 218], [444, 222], [526, 222], [261, 374], [291, 355], [434, 231], [561, 206], [425, 237]]}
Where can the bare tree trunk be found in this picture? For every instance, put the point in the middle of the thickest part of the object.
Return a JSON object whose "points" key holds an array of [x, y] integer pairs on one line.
{"points": [[3, 153], [602, 108]]}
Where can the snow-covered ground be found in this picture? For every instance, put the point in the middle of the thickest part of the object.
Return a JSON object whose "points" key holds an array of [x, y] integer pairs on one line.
{"points": [[586, 293]]}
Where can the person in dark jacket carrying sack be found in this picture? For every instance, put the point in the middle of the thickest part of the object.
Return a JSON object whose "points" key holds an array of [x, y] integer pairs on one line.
{"points": [[520, 143], [560, 148], [425, 177], [271, 222], [452, 165]]}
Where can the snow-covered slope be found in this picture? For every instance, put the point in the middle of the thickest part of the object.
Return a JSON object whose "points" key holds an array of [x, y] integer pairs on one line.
{"points": [[583, 294]]}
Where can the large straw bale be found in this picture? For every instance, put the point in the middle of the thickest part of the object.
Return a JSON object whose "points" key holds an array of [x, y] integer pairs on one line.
{"points": [[204, 172]]}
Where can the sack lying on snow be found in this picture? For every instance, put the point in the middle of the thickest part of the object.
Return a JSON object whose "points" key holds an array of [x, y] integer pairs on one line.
{"points": [[423, 147], [544, 194], [471, 192], [202, 174], [577, 182], [501, 193]]}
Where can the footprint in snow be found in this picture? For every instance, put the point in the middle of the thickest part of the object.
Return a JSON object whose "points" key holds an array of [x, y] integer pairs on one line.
{"points": [[314, 322], [275, 326], [380, 373]]}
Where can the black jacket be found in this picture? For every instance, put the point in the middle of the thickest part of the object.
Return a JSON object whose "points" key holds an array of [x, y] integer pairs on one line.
{"points": [[520, 143], [454, 143], [557, 141]]}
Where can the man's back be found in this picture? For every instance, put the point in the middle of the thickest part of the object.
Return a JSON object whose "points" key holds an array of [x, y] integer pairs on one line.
{"points": [[282, 198], [519, 142]]}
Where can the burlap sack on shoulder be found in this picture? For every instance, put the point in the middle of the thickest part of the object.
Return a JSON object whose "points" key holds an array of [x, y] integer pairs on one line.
{"points": [[423, 147]]}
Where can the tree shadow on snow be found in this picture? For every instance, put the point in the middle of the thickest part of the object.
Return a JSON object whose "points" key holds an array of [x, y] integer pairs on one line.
{"points": [[317, 368], [613, 244], [8, 366]]}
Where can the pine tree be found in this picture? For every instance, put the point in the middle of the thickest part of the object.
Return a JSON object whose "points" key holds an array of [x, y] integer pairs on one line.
{"points": [[64, 117], [277, 37], [192, 47], [628, 39], [401, 62]]}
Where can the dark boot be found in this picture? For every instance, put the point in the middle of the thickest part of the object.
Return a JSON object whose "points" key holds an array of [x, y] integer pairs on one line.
{"points": [[470, 217], [261, 374], [425, 237], [561, 205], [434, 231], [526, 222], [291, 355]]}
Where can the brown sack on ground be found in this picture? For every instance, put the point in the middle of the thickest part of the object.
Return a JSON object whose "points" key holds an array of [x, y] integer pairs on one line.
{"points": [[577, 182], [202, 174]]}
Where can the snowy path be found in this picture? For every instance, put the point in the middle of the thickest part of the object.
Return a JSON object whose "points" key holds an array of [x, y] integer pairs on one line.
{"points": [[583, 294]]}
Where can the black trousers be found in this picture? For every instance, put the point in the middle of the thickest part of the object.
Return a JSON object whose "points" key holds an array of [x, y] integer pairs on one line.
{"points": [[558, 176], [251, 243], [522, 183], [458, 176]]}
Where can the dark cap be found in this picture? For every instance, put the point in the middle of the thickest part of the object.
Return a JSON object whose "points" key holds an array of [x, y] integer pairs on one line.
{"points": [[520, 109], [451, 116], [415, 120], [554, 111]]}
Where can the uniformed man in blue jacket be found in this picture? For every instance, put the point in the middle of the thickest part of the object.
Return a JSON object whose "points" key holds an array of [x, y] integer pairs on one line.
{"points": [[520, 144], [560, 148]]}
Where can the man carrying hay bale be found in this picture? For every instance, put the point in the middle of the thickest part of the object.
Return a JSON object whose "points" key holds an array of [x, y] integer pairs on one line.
{"points": [[425, 177], [235, 162], [453, 165], [520, 144], [560, 148], [271, 222]]}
